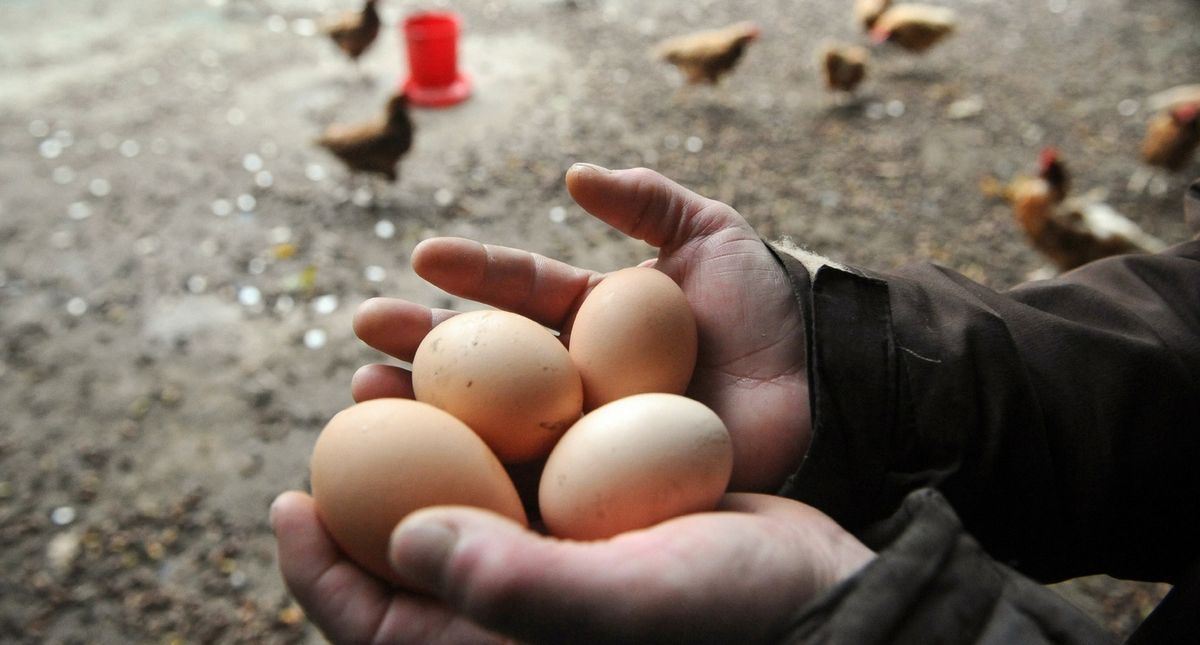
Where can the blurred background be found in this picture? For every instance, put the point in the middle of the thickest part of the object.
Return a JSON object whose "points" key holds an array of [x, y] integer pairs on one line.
{"points": [[180, 258]]}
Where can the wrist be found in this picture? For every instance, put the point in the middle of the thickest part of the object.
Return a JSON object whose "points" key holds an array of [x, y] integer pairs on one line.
{"points": [[848, 556]]}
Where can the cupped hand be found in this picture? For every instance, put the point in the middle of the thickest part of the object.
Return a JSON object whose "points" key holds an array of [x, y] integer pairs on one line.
{"points": [[738, 574], [750, 368]]}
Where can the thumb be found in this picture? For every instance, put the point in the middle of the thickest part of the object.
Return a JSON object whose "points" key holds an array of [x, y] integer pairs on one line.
{"points": [[646, 205], [515, 581], [670, 582]]}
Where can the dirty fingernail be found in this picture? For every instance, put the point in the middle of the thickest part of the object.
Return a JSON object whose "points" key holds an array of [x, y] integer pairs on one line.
{"points": [[419, 552], [592, 167]]}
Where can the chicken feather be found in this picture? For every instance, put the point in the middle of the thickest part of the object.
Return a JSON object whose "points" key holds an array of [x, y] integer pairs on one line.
{"points": [[374, 146], [1071, 231]]}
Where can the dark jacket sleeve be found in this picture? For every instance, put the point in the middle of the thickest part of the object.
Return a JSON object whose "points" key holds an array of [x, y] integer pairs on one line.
{"points": [[1061, 419], [932, 583]]}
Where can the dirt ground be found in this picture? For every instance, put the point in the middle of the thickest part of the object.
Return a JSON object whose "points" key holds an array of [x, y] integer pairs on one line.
{"points": [[180, 264]]}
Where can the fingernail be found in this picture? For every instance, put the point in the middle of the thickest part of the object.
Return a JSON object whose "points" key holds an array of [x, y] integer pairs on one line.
{"points": [[592, 167], [419, 553], [271, 511]]}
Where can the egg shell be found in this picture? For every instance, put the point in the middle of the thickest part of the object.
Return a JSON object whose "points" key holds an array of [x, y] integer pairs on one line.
{"points": [[633, 333], [377, 461], [633, 463], [505, 376]]}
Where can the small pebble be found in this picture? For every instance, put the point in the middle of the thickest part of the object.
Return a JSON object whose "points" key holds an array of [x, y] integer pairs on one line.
{"points": [[249, 296], [304, 27], [314, 338], [374, 273], [1128, 107], [197, 284], [246, 202], [385, 229], [252, 162], [62, 550], [50, 148], [79, 210], [314, 172], [325, 304], [362, 197], [77, 306], [280, 234], [63, 175], [284, 304], [62, 516], [99, 187]]}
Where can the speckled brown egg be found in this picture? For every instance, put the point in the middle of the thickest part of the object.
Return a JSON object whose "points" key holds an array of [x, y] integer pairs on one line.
{"points": [[377, 461], [507, 377], [634, 333]]}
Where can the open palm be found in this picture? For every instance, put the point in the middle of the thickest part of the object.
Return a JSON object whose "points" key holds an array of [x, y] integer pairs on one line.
{"points": [[750, 368], [738, 574]]}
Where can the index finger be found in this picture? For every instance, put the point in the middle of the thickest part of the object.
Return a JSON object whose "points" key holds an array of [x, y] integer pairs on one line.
{"points": [[535, 286]]}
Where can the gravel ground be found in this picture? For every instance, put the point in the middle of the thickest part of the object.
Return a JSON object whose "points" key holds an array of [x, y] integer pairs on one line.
{"points": [[180, 263]]}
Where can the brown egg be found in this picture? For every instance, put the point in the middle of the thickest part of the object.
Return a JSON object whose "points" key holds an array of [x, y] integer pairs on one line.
{"points": [[634, 333], [633, 463], [505, 376], [377, 461]]}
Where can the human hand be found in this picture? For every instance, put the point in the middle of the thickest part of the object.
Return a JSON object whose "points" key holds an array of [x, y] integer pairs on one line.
{"points": [[750, 367], [738, 574]]}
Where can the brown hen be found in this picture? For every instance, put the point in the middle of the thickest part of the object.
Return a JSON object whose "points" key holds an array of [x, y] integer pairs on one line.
{"points": [[376, 146], [1172, 137], [706, 56], [354, 31], [844, 66], [914, 27], [1071, 232]]}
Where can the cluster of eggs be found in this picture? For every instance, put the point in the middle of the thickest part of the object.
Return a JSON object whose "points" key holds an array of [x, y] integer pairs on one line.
{"points": [[622, 447]]}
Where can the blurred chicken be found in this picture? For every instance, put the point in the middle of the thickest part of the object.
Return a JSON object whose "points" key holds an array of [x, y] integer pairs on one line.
{"points": [[1070, 231], [1173, 97], [866, 12], [706, 56], [1172, 137], [374, 146], [845, 66], [914, 27], [354, 31]]}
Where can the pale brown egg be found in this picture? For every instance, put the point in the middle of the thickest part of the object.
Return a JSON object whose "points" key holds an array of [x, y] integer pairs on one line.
{"points": [[505, 376], [633, 463], [634, 333], [377, 461]]}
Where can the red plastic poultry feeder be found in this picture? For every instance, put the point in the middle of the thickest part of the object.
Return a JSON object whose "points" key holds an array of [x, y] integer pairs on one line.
{"points": [[432, 43]]}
